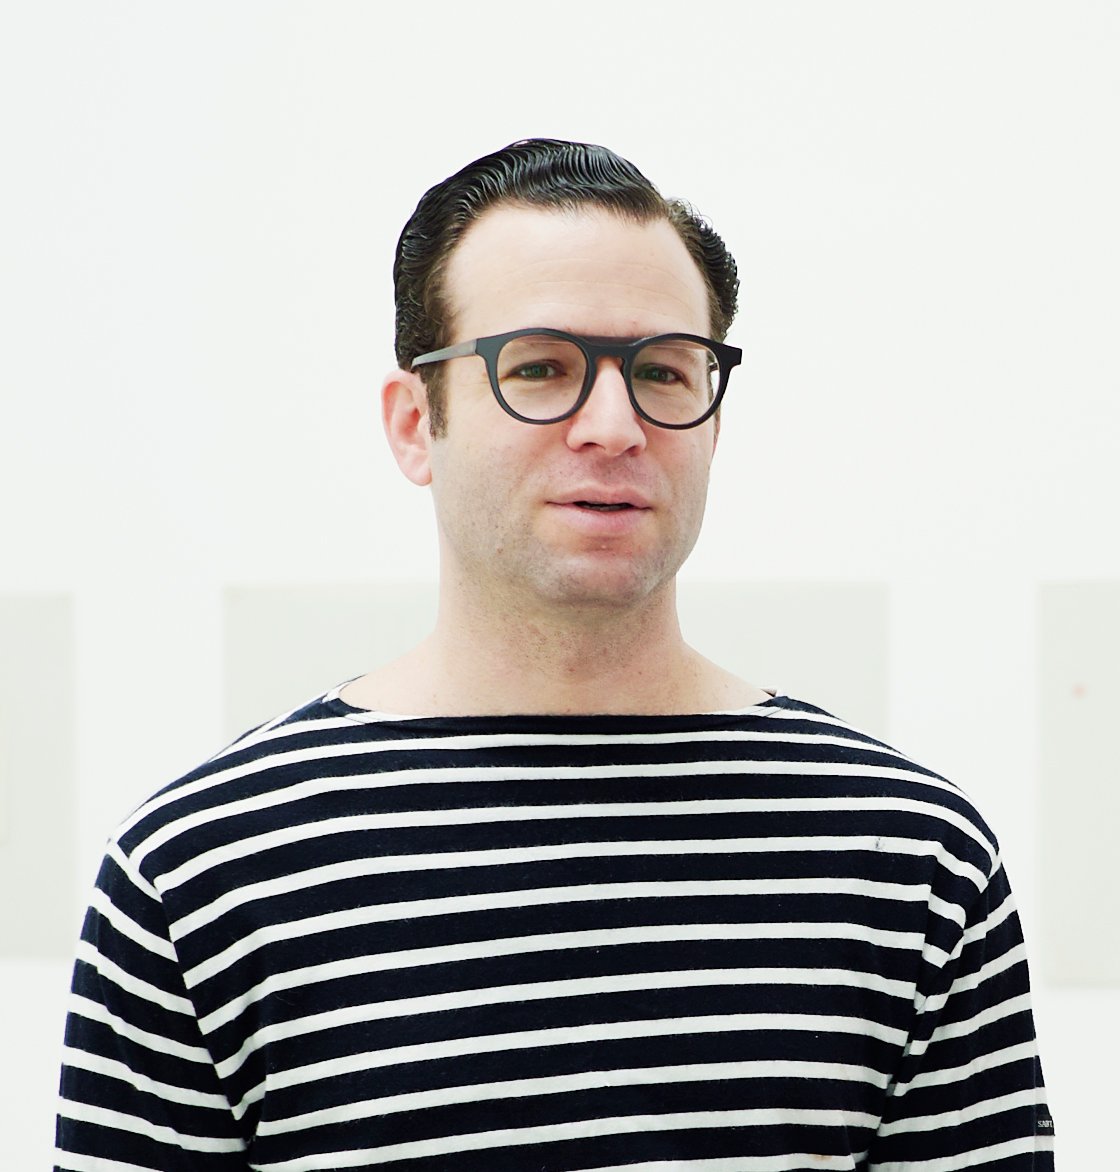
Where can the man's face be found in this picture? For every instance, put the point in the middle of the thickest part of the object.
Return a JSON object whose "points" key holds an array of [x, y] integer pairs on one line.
{"points": [[520, 507]]}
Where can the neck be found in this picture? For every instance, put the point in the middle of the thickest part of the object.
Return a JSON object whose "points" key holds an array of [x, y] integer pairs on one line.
{"points": [[579, 661], [566, 660]]}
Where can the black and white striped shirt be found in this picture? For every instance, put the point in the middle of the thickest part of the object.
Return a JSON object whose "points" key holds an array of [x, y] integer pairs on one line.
{"points": [[756, 941]]}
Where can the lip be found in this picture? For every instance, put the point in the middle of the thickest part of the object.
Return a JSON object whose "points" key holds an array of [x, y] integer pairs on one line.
{"points": [[600, 525], [604, 527], [592, 494]]}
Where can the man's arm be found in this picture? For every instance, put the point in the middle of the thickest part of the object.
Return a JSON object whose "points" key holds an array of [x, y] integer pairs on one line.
{"points": [[969, 1093], [138, 1089]]}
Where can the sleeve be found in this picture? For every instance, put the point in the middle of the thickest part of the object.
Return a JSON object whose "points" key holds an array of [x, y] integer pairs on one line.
{"points": [[969, 1091], [138, 1087]]}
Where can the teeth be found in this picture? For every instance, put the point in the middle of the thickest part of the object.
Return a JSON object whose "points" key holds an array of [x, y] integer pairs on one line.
{"points": [[602, 506]]}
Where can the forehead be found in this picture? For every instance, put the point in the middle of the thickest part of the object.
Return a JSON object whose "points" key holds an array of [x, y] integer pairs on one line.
{"points": [[589, 271]]}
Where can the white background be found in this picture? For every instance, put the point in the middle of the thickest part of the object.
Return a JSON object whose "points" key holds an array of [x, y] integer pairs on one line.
{"points": [[198, 211]]}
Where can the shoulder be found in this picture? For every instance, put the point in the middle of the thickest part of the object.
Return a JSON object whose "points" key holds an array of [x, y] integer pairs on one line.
{"points": [[866, 773], [253, 773]]}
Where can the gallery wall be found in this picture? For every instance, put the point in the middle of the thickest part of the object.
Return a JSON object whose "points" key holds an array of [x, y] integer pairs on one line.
{"points": [[912, 517]]}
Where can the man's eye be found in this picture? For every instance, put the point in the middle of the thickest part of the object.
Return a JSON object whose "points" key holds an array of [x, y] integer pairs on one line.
{"points": [[535, 370], [663, 375]]}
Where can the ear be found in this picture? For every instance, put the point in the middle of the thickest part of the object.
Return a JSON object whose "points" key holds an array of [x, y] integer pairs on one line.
{"points": [[404, 412]]}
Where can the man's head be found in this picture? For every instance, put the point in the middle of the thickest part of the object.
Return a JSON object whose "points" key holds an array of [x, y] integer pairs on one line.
{"points": [[543, 174]]}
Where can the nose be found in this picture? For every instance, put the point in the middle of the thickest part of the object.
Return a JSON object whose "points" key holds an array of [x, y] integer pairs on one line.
{"points": [[607, 419]]}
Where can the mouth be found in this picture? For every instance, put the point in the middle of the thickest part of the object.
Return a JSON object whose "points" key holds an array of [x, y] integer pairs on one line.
{"points": [[604, 506], [603, 517], [598, 498]]}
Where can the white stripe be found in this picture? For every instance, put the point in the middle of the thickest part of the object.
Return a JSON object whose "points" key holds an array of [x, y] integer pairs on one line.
{"points": [[961, 1029], [592, 892], [995, 917], [1013, 956], [585, 987], [304, 831], [1020, 1052], [114, 851], [932, 955], [367, 866], [95, 1011], [125, 980], [980, 931], [137, 1125], [948, 911], [101, 903], [1028, 1145], [568, 1083], [596, 1032], [981, 1110], [583, 1129], [547, 942], [793, 1162], [844, 735], [168, 1092]]}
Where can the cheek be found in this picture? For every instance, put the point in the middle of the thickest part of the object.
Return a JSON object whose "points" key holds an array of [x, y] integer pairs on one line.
{"points": [[693, 490], [690, 469], [472, 486]]}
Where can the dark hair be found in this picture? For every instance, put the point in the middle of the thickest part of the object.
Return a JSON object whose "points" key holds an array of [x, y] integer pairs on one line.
{"points": [[543, 173]]}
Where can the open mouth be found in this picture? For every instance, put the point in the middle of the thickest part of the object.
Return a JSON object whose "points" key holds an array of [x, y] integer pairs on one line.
{"points": [[601, 507]]}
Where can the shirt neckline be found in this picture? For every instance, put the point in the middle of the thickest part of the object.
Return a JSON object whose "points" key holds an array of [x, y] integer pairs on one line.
{"points": [[333, 700]]}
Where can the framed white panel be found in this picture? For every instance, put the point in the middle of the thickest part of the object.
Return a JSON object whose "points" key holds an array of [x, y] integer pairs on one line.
{"points": [[823, 642], [37, 775], [1079, 774], [286, 644]]}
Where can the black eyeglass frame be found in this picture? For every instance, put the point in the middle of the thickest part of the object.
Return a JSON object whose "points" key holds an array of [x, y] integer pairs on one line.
{"points": [[593, 349]]}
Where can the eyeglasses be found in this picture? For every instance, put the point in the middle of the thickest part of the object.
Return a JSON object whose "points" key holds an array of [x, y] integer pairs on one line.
{"points": [[544, 376]]}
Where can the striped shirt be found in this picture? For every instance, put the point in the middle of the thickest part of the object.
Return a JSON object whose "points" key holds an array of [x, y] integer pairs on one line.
{"points": [[755, 941]]}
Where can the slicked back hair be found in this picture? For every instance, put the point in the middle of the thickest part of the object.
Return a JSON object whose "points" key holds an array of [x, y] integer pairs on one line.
{"points": [[534, 173]]}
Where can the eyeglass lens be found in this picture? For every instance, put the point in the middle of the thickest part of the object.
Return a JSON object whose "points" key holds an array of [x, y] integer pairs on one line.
{"points": [[541, 377]]}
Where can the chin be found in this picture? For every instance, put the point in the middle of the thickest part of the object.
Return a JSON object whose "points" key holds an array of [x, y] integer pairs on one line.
{"points": [[607, 589]]}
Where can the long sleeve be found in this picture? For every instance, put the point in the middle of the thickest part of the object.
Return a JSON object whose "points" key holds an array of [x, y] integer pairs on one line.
{"points": [[969, 1091], [138, 1087]]}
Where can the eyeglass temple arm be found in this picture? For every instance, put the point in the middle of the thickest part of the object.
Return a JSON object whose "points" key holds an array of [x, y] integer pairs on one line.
{"points": [[460, 350]]}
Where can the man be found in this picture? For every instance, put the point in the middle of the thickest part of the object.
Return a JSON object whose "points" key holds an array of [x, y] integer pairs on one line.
{"points": [[553, 891]]}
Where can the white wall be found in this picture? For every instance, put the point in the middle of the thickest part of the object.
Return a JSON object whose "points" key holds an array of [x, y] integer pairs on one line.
{"points": [[199, 207]]}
